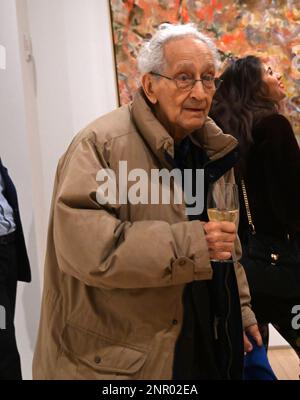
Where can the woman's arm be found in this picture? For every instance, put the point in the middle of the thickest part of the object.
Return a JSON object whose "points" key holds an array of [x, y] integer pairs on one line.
{"points": [[278, 150]]}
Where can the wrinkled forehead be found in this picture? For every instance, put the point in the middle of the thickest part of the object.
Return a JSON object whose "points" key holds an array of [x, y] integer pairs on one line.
{"points": [[188, 52]]}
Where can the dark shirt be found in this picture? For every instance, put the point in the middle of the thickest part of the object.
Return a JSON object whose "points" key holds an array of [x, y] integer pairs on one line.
{"points": [[199, 354], [23, 272], [273, 179]]}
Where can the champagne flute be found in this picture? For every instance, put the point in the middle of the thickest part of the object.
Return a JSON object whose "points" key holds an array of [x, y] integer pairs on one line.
{"points": [[223, 205]]}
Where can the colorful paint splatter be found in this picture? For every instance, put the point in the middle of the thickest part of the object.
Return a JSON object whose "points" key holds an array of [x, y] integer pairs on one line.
{"points": [[267, 28]]}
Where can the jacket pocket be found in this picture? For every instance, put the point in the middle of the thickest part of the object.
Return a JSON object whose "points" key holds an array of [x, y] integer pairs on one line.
{"points": [[102, 354]]}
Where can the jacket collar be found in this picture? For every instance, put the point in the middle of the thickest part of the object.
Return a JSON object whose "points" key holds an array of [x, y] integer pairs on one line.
{"points": [[150, 128], [210, 137]]}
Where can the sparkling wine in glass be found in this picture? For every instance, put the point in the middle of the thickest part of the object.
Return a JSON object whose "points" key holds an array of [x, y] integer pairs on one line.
{"points": [[223, 205]]}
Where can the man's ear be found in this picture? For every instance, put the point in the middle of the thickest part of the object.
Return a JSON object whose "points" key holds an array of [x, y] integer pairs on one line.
{"points": [[147, 83]]}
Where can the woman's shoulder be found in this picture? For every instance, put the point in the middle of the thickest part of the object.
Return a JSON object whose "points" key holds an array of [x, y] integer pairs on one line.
{"points": [[274, 126]]}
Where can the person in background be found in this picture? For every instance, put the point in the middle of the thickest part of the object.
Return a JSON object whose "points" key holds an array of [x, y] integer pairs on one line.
{"points": [[14, 266], [129, 290], [247, 106]]}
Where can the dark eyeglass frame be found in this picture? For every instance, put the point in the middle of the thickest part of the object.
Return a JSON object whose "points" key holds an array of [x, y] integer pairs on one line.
{"points": [[216, 82]]}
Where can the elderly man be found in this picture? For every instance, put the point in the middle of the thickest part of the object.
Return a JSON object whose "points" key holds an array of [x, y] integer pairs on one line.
{"points": [[129, 289]]}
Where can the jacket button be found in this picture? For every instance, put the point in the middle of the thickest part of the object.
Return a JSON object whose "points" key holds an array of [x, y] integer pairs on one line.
{"points": [[182, 262], [174, 322], [97, 360]]}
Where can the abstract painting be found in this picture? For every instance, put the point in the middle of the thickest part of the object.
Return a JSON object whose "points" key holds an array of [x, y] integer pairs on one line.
{"points": [[267, 28]]}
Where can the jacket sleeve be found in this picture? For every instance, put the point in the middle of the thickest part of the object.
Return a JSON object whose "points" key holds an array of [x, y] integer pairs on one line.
{"points": [[93, 245], [248, 316]]}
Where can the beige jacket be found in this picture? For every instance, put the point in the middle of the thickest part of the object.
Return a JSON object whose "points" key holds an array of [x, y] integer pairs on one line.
{"points": [[114, 275]]}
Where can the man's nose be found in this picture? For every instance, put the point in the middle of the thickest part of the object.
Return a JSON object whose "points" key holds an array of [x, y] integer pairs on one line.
{"points": [[198, 91]]}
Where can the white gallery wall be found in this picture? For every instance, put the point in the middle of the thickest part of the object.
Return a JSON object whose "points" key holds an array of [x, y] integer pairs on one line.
{"points": [[74, 71], [59, 76]]}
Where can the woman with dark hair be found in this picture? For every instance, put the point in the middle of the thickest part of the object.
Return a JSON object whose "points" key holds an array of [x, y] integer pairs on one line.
{"points": [[247, 106]]}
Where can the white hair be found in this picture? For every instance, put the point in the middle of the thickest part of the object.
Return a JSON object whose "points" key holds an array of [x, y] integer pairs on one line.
{"points": [[151, 55]]}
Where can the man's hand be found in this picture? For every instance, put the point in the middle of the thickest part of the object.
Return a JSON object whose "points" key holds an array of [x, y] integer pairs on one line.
{"points": [[252, 331], [220, 238]]}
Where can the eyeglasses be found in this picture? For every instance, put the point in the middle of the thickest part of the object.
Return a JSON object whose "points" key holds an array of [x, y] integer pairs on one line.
{"points": [[183, 82]]}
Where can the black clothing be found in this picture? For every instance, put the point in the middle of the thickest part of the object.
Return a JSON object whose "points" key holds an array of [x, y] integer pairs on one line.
{"points": [[210, 345], [14, 266], [23, 271], [273, 186], [273, 179], [10, 368]]}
